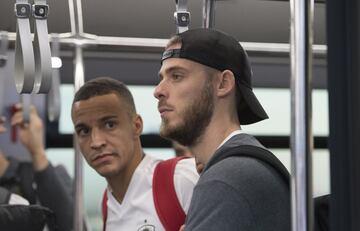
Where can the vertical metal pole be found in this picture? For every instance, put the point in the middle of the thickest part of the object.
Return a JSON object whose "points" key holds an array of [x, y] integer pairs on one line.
{"points": [[79, 208], [79, 68], [4, 41], [77, 30], [301, 114], [76, 17], [208, 13]]}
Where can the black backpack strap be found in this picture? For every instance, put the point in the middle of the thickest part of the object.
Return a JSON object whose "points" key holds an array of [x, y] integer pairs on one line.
{"points": [[26, 179], [4, 196], [256, 152], [321, 212], [26, 217], [18, 178]]}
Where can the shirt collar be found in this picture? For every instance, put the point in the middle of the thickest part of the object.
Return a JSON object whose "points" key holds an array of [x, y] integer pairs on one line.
{"points": [[236, 132]]}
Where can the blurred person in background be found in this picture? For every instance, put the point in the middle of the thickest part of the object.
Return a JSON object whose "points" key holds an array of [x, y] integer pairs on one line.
{"points": [[38, 181]]}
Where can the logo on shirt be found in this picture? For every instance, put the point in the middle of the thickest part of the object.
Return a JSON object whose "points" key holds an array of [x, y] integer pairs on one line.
{"points": [[146, 228]]}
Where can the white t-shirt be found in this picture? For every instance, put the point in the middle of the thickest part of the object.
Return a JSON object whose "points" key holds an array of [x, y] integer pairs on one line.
{"points": [[17, 200], [137, 211]]}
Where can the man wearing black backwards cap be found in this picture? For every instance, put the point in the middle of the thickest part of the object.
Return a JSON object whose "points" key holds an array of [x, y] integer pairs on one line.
{"points": [[204, 95]]}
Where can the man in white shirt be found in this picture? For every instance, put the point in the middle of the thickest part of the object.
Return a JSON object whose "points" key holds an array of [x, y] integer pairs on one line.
{"points": [[108, 132]]}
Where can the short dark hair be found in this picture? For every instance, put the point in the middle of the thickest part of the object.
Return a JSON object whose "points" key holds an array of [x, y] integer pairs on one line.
{"points": [[103, 86], [175, 39]]}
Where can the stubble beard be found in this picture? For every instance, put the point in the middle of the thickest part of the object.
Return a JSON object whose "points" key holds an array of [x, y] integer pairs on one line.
{"points": [[195, 118]]}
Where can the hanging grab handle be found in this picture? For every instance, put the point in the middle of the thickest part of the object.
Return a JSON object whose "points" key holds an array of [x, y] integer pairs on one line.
{"points": [[24, 53], [43, 72]]}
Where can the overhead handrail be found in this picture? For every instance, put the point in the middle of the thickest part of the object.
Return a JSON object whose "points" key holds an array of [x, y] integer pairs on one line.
{"points": [[53, 97], [43, 71], [181, 16], [24, 54], [135, 42]]}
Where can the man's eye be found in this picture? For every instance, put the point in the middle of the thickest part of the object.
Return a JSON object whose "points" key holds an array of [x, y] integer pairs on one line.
{"points": [[110, 124], [82, 131], [177, 76]]}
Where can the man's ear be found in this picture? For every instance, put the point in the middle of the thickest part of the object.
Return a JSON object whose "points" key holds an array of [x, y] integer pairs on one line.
{"points": [[138, 125], [226, 83]]}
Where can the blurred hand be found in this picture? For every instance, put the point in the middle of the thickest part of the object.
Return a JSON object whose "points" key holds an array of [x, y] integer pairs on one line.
{"points": [[182, 228], [2, 124], [31, 135], [4, 163]]}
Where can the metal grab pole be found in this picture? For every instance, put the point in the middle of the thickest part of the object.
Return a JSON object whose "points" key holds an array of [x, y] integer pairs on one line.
{"points": [[208, 14], [77, 30], [79, 68], [301, 114], [76, 18], [79, 208], [4, 42]]}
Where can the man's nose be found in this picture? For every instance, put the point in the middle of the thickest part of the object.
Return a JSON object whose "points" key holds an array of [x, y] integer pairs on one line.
{"points": [[160, 90], [97, 138]]}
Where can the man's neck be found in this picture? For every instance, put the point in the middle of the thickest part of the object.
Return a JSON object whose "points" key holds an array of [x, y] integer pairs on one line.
{"points": [[213, 136], [119, 183]]}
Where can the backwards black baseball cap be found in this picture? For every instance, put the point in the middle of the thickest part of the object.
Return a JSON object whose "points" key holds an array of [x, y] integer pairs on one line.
{"points": [[222, 52]]}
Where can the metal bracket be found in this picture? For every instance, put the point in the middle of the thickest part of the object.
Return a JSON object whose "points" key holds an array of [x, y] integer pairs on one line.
{"points": [[181, 16], [22, 10], [40, 11]]}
